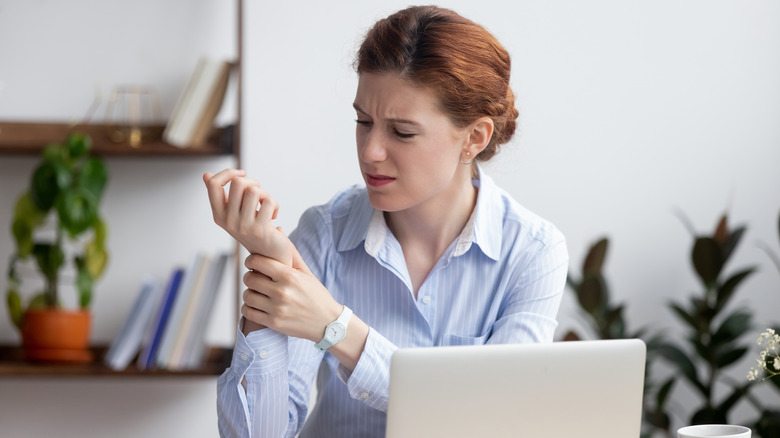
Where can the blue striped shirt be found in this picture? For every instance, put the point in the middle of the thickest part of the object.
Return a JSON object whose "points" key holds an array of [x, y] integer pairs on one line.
{"points": [[500, 281]]}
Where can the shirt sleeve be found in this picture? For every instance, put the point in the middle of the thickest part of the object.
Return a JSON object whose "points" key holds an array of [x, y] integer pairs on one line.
{"points": [[275, 401], [369, 381], [528, 314]]}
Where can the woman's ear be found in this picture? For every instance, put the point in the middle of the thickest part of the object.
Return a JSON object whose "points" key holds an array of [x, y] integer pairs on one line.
{"points": [[480, 134]]}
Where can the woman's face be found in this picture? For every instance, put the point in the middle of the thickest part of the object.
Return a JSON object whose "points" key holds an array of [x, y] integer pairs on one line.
{"points": [[409, 151]]}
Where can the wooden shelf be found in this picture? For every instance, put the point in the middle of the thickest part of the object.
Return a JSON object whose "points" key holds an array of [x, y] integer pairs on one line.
{"points": [[22, 138], [13, 364]]}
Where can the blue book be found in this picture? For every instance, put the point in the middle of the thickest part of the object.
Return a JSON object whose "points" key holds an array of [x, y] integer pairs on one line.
{"points": [[148, 355], [129, 341]]}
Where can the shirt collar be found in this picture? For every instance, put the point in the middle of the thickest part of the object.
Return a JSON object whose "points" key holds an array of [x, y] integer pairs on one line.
{"points": [[484, 227]]}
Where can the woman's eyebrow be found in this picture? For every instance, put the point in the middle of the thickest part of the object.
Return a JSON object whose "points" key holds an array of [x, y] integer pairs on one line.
{"points": [[394, 120]]}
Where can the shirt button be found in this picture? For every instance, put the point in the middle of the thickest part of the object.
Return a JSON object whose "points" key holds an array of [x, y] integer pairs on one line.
{"points": [[244, 356], [364, 395], [263, 354], [426, 300]]}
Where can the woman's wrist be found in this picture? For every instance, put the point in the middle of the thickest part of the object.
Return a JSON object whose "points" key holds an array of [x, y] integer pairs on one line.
{"points": [[349, 350]]}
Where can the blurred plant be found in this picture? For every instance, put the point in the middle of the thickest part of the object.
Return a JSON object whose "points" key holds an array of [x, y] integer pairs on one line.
{"points": [[769, 363], [606, 321], [65, 188], [714, 333]]}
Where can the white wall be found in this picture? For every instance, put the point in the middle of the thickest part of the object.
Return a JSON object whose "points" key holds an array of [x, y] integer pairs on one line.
{"points": [[629, 110]]}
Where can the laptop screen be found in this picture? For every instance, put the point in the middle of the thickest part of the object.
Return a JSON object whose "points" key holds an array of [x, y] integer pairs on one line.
{"points": [[561, 389]]}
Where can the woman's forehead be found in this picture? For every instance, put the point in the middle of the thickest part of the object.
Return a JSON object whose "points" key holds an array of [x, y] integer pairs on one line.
{"points": [[388, 95]]}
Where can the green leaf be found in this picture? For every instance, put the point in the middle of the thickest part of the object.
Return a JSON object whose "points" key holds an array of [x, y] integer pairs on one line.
{"points": [[22, 232], [727, 289], [730, 357], [726, 405], [26, 217], [594, 261], [685, 316], [14, 304], [49, 258], [734, 237], [591, 294], [48, 180], [39, 302], [95, 259], [78, 144], [737, 324], [84, 283], [707, 259], [57, 152], [614, 323], [93, 176], [101, 232], [78, 210], [663, 393], [678, 358]]}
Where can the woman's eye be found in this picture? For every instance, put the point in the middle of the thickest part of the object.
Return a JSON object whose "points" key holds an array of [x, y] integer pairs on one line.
{"points": [[363, 122], [403, 134]]}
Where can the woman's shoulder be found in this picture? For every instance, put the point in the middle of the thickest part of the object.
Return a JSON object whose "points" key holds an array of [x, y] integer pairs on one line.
{"points": [[524, 233]]}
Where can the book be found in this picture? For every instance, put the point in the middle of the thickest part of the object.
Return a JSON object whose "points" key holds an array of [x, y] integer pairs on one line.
{"points": [[129, 340], [201, 100], [194, 343], [147, 357], [191, 283], [205, 124], [174, 123]]}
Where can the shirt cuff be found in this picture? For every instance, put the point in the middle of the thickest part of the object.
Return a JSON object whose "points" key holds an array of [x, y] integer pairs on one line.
{"points": [[369, 381], [260, 353]]}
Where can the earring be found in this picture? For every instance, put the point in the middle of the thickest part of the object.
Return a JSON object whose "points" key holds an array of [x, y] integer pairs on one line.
{"points": [[467, 163]]}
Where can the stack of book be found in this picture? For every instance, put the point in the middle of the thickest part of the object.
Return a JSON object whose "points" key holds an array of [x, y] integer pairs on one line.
{"points": [[166, 325], [198, 105]]}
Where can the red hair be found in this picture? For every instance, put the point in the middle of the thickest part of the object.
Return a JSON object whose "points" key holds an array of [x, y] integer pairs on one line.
{"points": [[463, 63]]}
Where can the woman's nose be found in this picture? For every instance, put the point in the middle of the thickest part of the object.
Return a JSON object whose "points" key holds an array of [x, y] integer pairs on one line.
{"points": [[371, 147]]}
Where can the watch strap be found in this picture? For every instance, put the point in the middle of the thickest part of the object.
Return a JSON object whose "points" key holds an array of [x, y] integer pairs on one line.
{"points": [[342, 320]]}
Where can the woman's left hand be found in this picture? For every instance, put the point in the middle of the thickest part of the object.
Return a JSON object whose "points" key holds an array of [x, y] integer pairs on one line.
{"points": [[290, 300]]}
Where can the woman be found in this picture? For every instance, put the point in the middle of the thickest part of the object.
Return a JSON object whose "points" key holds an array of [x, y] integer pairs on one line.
{"points": [[430, 252]]}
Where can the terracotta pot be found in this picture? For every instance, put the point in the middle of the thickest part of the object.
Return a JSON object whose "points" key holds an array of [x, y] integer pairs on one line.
{"points": [[56, 335]]}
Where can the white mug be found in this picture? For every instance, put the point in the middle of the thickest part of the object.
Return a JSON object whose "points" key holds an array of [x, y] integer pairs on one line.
{"points": [[714, 431]]}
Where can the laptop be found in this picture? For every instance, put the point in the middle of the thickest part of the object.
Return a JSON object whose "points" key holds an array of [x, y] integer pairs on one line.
{"points": [[577, 389]]}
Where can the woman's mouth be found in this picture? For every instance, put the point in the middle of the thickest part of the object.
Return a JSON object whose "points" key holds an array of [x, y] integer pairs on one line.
{"points": [[378, 180]]}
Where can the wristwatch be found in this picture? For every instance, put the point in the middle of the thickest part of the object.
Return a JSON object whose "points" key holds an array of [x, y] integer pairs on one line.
{"points": [[335, 331]]}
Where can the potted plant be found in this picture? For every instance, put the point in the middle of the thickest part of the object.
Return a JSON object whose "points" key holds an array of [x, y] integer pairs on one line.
{"points": [[57, 225]]}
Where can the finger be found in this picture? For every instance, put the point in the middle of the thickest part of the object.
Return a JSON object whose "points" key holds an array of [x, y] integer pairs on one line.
{"points": [[257, 300], [238, 188], [268, 208], [255, 315], [249, 205], [258, 281], [298, 263], [265, 265], [216, 193]]}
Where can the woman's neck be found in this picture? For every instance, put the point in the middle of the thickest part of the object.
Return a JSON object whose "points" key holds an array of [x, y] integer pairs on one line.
{"points": [[425, 231]]}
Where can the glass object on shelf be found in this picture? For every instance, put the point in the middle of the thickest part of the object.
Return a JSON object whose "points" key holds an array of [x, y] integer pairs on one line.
{"points": [[131, 113]]}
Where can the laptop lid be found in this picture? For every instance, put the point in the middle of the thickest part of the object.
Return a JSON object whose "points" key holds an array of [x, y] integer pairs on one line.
{"points": [[563, 389]]}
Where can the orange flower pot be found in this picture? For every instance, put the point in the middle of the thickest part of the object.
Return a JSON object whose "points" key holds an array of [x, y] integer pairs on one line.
{"points": [[56, 335]]}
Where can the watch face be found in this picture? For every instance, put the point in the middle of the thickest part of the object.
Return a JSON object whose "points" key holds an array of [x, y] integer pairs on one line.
{"points": [[335, 332]]}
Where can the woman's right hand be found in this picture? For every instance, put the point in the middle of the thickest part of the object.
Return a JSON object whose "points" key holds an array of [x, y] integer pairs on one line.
{"points": [[246, 212]]}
